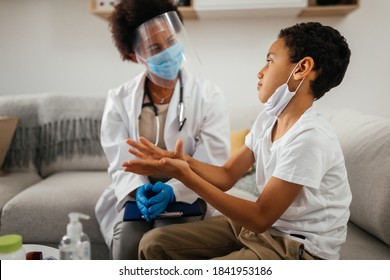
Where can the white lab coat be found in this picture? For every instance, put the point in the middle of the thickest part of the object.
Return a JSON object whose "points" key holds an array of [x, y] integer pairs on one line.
{"points": [[205, 135]]}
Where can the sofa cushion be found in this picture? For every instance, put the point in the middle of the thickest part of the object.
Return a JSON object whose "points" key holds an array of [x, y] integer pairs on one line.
{"points": [[15, 182], [361, 245], [365, 141], [40, 213], [75, 162]]}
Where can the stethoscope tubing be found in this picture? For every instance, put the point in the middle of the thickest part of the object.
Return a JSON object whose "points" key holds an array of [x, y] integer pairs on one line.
{"points": [[180, 109]]}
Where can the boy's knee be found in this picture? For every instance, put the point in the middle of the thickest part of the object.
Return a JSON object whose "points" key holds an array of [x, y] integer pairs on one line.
{"points": [[152, 245]]}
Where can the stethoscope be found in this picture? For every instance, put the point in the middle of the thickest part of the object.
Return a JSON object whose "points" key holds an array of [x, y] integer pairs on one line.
{"points": [[180, 109]]}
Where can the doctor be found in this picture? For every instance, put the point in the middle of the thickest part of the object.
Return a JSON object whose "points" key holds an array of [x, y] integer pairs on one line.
{"points": [[162, 104]]}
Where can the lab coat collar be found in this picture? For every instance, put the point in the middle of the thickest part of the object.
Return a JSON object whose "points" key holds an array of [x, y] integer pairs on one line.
{"points": [[135, 106]]}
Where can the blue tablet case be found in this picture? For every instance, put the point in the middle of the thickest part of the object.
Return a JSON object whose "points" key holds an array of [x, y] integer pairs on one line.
{"points": [[132, 212]]}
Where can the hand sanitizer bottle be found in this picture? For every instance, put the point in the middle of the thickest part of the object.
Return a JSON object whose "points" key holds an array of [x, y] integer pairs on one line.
{"points": [[75, 245]]}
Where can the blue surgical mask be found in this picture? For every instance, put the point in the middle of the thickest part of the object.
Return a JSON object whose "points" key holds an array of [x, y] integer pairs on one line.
{"points": [[167, 63]]}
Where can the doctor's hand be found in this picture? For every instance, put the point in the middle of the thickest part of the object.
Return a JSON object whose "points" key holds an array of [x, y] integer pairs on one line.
{"points": [[159, 202], [144, 149], [142, 200]]}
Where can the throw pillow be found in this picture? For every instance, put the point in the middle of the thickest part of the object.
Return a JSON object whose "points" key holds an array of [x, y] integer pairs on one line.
{"points": [[7, 130], [237, 139]]}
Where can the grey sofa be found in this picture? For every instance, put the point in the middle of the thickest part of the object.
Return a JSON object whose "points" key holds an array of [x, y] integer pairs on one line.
{"points": [[55, 165]]}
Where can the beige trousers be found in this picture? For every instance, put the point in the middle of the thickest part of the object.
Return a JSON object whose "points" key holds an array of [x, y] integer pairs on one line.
{"points": [[217, 238], [127, 235]]}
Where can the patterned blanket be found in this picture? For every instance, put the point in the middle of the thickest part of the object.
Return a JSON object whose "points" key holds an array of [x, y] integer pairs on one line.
{"points": [[52, 125]]}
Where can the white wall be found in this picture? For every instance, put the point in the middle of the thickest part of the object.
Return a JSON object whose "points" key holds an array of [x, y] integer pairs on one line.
{"points": [[58, 46]]}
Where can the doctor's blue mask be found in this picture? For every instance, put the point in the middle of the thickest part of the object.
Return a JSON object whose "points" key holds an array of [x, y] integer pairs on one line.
{"points": [[167, 63]]}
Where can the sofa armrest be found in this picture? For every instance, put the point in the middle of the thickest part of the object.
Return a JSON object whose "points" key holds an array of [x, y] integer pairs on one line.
{"points": [[14, 183]]}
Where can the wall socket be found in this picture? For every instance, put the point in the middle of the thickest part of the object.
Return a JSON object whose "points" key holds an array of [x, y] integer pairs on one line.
{"points": [[104, 5]]}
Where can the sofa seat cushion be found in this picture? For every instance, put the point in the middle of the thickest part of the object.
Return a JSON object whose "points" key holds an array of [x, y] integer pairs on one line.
{"points": [[40, 213], [365, 141], [15, 182], [360, 245]]}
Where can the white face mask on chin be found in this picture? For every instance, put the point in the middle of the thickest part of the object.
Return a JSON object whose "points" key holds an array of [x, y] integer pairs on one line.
{"points": [[281, 97]]}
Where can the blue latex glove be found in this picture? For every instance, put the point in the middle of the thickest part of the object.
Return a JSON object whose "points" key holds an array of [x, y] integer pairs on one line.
{"points": [[159, 202], [142, 199]]}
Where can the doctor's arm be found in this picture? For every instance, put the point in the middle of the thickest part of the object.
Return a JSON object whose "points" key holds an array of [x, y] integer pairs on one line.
{"points": [[113, 139]]}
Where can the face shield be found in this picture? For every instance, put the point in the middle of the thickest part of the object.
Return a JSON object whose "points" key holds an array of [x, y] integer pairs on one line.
{"points": [[162, 45]]}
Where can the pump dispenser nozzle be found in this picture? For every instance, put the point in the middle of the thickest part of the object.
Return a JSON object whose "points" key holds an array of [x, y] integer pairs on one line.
{"points": [[74, 216], [75, 228], [75, 245]]}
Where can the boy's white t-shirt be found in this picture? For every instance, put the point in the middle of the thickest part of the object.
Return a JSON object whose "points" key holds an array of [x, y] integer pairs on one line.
{"points": [[309, 154]]}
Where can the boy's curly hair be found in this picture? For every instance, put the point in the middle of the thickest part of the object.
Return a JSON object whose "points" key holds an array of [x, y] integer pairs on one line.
{"points": [[326, 46], [129, 14]]}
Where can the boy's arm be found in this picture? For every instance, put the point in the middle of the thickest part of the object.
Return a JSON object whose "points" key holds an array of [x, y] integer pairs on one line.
{"points": [[257, 216], [224, 177]]}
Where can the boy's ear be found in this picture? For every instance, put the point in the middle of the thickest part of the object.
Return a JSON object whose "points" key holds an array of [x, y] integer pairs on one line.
{"points": [[305, 68]]}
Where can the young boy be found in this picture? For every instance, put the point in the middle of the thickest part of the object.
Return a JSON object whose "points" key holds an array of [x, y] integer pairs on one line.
{"points": [[303, 207]]}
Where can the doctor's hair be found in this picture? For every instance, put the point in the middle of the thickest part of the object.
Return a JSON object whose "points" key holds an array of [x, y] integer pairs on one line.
{"points": [[130, 14], [327, 47]]}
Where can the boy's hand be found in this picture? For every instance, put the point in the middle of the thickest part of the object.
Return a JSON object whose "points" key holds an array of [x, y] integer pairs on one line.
{"points": [[171, 168], [144, 149], [152, 161]]}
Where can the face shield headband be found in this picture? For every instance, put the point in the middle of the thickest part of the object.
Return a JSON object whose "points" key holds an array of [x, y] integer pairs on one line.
{"points": [[162, 45]]}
